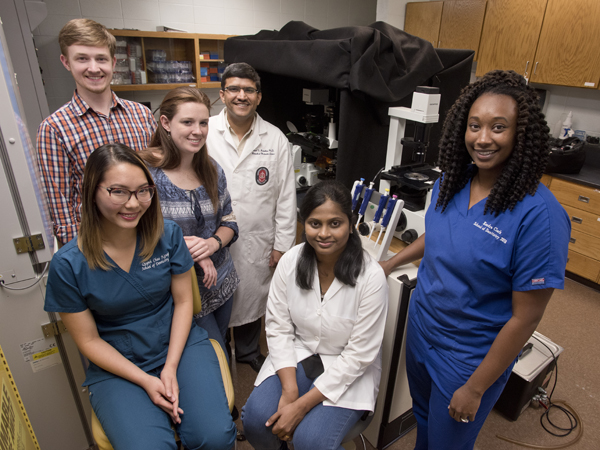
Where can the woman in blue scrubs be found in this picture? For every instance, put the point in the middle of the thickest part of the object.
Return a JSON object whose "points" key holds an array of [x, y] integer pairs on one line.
{"points": [[123, 290], [494, 250]]}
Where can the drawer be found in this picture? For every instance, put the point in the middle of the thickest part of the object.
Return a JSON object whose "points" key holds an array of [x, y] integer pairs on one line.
{"points": [[583, 266], [576, 195], [584, 221], [585, 244]]}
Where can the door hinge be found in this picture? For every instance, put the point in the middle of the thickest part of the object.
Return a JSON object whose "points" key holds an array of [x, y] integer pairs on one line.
{"points": [[53, 329], [29, 243]]}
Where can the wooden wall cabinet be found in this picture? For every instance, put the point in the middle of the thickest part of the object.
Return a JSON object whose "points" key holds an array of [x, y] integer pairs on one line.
{"points": [[448, 24], [510, 35], [548, 41], [178, 47], [582, 203], [462, 21], [423, 19], [567, 53]]}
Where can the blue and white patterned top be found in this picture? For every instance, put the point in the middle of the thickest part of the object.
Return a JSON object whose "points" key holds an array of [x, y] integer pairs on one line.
{"points": [[193, 211]]}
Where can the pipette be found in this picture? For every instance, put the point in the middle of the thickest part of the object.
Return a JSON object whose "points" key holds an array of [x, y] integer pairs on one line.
{"points": [[365, 202], [380, 207], [357, 192], [387, 216]]}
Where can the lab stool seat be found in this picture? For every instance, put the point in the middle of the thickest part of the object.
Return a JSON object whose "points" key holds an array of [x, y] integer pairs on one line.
{"points": [[356, 431]]}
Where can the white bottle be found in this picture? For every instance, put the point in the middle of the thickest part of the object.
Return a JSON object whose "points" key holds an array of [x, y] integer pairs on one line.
{"points": [[566, 131]]}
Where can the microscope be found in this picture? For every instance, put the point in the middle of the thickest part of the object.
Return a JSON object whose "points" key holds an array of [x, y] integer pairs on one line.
{"points": [[314, 151], [411, 182]]}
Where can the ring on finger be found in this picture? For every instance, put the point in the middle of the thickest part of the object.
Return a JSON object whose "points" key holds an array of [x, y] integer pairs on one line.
{"points": [[463, 420]]}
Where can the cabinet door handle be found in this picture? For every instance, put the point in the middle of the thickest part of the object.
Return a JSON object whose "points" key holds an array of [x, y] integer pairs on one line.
{"points": [[576, 220], [584, 199], [572, 240], [526, 67], [439, 44], [535, 68]]}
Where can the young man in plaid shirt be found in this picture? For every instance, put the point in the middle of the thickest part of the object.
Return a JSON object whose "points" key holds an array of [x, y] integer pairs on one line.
{"points": [[94, 116]]}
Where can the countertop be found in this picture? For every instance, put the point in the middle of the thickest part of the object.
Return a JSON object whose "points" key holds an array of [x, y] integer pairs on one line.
{"points": [[590, 172]]}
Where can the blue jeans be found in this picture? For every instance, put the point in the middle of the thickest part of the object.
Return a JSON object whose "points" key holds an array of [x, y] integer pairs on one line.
{"points": [[433, 377], [217, 322], [323, 428], [131, 421]]}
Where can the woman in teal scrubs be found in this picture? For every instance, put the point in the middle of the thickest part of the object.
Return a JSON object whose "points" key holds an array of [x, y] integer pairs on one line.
{"points": [[494, 250], [123, 290]]}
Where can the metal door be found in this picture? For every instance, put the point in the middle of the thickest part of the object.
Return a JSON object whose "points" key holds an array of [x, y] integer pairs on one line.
{"points": [[46, 368]]}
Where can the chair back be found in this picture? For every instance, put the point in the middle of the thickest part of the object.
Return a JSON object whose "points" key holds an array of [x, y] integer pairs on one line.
{"points": [[196, 292]]}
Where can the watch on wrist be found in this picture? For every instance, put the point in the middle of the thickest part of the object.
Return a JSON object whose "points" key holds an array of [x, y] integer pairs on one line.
{"points": [[218, 239]]}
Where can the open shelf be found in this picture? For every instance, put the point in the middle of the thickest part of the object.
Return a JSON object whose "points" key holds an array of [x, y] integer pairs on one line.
{"points": [[177, 47]]}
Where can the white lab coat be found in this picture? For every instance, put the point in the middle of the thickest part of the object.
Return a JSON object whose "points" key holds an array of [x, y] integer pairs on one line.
{"points": [[263, 197], [345, 329]]}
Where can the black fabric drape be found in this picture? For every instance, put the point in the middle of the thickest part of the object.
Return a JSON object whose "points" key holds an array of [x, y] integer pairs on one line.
{"points": [[372, 68]]}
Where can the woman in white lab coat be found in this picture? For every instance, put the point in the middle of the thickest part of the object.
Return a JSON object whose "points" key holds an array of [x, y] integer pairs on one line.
{"points": [[326, 310]]}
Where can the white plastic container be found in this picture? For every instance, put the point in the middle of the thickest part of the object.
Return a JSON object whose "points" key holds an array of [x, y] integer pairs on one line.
{"points": [[566, 130]]}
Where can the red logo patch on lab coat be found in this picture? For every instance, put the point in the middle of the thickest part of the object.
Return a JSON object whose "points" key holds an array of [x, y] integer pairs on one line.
{"points": [[262, 176]]}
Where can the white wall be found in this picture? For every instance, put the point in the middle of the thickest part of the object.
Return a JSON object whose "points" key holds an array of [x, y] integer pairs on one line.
{"points": [[585, 103], [239, 17]]}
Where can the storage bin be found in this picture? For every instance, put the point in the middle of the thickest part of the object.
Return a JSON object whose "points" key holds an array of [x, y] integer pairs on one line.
{"points": [[530, 372]]}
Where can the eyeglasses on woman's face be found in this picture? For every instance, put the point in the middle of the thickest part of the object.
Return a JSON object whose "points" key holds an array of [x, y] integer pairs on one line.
{"points": [[120, 196]]}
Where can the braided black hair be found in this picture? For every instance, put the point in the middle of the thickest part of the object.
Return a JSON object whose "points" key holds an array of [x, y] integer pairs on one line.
{"points": [[525, 165]]}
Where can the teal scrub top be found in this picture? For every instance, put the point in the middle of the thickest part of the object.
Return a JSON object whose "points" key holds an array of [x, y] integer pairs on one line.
{"points": [[473, 263], [133, 310]]}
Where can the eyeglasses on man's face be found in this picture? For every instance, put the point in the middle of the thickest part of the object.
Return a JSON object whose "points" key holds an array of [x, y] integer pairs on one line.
{"points": [[120, 196], [236, 90]]}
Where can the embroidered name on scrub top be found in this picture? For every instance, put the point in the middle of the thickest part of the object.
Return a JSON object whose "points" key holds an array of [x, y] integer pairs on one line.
{"points": [[156, 261], [491, 230]]}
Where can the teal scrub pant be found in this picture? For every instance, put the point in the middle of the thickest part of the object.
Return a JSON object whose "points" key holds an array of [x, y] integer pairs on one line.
{"points": [[131, 421], [433, 377]]}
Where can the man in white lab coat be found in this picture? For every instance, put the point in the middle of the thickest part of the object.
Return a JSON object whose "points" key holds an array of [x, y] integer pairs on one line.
{"points": [[257, 161]]}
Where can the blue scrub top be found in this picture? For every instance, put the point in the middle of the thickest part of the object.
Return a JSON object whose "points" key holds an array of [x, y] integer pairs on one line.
{"points": [[133, 310], [473, 262]]}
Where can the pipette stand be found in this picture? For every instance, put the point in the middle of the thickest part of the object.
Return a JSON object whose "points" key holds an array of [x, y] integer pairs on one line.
{"points": [[389, 232]]}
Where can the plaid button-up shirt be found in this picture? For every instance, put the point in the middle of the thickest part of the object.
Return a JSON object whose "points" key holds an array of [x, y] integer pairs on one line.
{"points": [[67, 138]]}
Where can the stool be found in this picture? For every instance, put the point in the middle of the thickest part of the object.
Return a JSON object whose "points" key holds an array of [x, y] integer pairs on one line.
{"points": [[357, 430]]}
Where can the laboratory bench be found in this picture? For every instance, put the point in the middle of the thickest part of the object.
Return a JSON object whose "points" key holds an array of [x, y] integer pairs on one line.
{"points": [[579, 194], [590, 172]]}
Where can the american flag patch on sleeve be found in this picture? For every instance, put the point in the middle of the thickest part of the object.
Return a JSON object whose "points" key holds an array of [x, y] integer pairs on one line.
{"points": [[538, 281]]}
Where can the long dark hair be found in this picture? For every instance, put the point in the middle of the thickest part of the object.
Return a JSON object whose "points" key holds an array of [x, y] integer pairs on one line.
{"points": [[203, 165], [351, 262], [151, 225], [525, 165]]}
